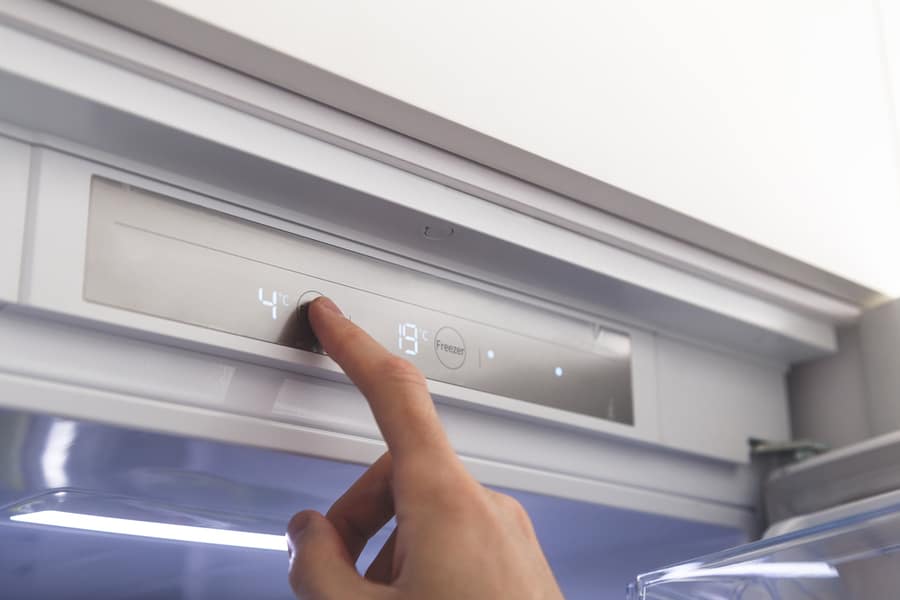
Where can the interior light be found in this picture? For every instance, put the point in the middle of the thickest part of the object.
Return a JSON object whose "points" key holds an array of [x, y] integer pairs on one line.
{"points": [[774, 570], [152, 529], [56, 453]]}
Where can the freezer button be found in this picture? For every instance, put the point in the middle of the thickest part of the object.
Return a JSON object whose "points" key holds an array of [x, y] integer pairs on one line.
{"points": [[450, 348]]}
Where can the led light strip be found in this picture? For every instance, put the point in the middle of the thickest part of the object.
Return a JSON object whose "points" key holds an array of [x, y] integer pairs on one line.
{"points": [[773, 570], [152, 529]]}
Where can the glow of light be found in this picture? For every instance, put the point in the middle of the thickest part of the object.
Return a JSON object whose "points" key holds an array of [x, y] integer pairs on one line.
{"points": [[56, 453], [558, 371], [152, 529], [775, 570], [490, 354]]}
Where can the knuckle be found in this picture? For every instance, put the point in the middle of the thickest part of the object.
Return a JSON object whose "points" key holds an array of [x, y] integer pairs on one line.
{"points": [[453, 507], [509, 504], [446, 492], [514, 509]]}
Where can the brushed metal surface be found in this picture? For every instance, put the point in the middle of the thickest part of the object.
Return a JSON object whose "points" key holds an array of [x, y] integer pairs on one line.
{"points": [[157, 256]]}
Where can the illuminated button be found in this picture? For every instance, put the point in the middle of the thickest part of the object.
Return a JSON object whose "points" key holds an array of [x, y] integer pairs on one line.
{"points": [[450, 348]]}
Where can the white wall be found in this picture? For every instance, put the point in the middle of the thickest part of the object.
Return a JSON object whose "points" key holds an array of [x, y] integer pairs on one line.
{"points": [[888, 15], [769, 119]]}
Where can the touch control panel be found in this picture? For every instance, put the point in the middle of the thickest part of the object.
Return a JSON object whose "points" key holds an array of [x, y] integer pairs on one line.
{"points": [[170, 259]]}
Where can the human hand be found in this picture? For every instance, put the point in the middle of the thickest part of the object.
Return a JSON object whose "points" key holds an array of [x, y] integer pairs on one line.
{"points": [[455, 539]]}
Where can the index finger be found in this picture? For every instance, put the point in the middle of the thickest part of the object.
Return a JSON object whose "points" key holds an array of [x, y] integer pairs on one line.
{"points": [[395, 389]]}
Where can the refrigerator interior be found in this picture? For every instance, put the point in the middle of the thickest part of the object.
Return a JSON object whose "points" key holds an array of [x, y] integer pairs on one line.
{"points": [[53, 465]]}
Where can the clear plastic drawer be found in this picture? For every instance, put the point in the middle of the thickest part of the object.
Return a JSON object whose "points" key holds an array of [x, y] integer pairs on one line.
{"points": [[851, 552]]}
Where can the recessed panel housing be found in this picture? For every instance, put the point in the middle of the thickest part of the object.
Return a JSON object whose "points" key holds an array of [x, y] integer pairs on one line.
{"points": [[162, 257]]}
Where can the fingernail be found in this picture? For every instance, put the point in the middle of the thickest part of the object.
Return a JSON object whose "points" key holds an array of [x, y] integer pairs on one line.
{"points": [[296, 526], [327, 304]]}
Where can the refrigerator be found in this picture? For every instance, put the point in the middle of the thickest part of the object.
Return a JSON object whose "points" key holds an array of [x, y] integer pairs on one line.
{"points": [[165, 408]]}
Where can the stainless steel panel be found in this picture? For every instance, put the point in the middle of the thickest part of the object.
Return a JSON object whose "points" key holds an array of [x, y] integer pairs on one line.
{"points": [[161, 257]]}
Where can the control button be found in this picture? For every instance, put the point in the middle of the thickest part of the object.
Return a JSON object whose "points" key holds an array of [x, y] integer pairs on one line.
{"points": [[307, 297], [450, 348], [306, 339]]}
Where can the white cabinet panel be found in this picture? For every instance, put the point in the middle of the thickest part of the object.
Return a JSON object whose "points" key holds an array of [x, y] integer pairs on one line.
{"points": [[880, 345], [829, 396], [14, 160], [769, 120], [713, 402]]}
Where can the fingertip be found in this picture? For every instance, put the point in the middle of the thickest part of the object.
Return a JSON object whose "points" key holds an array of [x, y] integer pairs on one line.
{"points": [[324, 304], [320, 566], [326, 320], [298, 523]]}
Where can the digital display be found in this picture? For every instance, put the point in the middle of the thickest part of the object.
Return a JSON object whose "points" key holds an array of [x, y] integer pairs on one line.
{"points": [[162, 257]]}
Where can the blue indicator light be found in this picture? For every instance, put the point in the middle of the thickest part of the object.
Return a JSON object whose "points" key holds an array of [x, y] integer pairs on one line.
{"points": [[490, 354], [558, 371]]}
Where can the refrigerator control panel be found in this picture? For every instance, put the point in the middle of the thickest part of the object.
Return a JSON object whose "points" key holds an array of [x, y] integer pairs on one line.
{"points": [[158, 256]]}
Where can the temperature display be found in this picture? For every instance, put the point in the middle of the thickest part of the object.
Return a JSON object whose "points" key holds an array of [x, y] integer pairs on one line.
{"points": [[273, 302], [408, 338]]}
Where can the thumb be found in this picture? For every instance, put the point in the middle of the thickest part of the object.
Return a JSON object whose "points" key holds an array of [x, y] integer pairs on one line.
{"points": [[321, 568]]}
